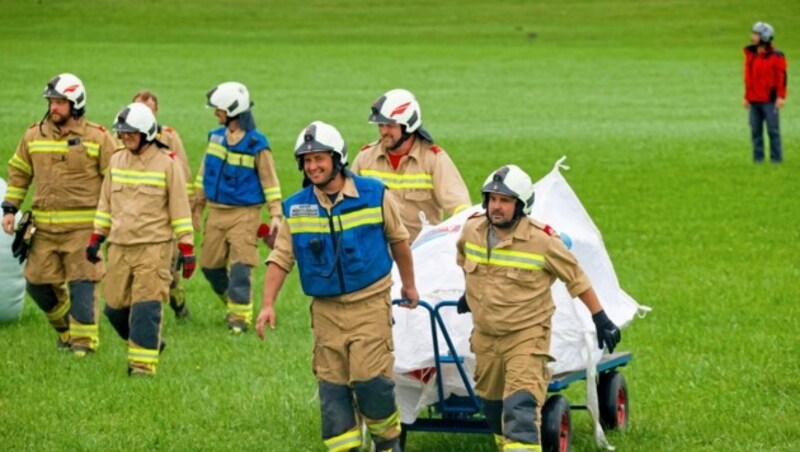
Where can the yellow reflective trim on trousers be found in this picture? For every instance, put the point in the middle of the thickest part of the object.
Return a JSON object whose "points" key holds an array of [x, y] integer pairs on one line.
{"points": [[344, 442], [58, 147], [372, 215], [189, 188], [401, 181], [20, 164], [59, 312], [272, 193], [504, 258], [182, 225], [63, 216], [156, 178], [16, 192], [520, 447], [77, 329], [498, 440], [237, 308], [142, 355], [379, 427]]}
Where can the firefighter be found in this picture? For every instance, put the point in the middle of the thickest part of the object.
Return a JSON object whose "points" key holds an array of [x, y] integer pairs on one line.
{"points": [[344, 231], [236, 178], [509, 262], [405, 158], [64, 156], [143, 206], [170, 137]]}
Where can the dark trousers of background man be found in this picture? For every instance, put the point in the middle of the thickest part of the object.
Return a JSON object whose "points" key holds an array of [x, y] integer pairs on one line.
{"points": [[761, 112]]}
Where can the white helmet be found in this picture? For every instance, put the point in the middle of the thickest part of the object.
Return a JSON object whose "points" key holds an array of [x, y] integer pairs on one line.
{"points": [[765, 31], [397, 106], [320, 137], [232, 97], [67, 86], [512, 181], [137, 117]]}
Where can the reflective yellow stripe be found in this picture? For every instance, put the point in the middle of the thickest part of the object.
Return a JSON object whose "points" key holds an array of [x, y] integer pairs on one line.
{"points": [[520, 447], [379, 427], [498, 440], [64, 216], [156, 178], [401, 181], [241, 309], [344, 442], [237, 159], [299, 225], [92, 149], [102, 219], [182, 225], [59, 147], [59, 312], [504, 258], [189, 188], [217, 150], [142, 355], [16, 193], [17, 162], [272, 193], [459, 208], [198, 181], [76, 329]]}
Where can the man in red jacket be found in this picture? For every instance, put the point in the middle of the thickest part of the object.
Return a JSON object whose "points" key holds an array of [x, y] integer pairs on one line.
{"points": [[765, 90]]}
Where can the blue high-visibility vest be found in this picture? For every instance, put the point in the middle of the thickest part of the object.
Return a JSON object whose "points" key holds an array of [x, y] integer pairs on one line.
{"points": [[345, 251], [230, 175]]}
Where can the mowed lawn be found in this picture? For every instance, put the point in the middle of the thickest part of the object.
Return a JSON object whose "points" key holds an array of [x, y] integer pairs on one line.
{"points": [[643, 97]]}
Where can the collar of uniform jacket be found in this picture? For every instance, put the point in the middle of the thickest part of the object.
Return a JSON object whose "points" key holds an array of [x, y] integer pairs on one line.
{"points": [[349, 190], [73, 127], [522, 231], [413, 153]]}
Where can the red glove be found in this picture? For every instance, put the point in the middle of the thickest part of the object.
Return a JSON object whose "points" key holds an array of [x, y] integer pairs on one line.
{"points": [[263, 230], [187, 259], [93, 249], [265, 234]]}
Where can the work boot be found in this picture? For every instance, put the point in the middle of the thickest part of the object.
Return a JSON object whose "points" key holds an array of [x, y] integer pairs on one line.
{"points": [[237, 326], [80, 351], [181, 311], [62, 341]]}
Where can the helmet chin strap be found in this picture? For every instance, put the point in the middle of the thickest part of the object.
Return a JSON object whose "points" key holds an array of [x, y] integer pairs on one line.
{"points": [[403, 138], [142, 142]]}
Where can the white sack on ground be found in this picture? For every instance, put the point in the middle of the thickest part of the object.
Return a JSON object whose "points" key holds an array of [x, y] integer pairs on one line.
{"points": [[438, 278], [12, 284]]}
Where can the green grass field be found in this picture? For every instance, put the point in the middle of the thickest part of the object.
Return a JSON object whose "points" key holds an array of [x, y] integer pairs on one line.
{"points": [[643, 97]]}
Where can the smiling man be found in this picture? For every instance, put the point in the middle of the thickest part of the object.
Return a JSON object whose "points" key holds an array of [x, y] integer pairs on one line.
{"points": [[405, 158], [64, 158], [344, 231]]}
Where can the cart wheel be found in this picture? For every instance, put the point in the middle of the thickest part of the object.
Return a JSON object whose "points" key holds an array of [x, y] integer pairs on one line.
{"points": [[612, 393], [556, 424]]}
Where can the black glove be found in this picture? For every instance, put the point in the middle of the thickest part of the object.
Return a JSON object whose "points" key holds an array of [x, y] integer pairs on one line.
{"points": [[462, 307], [93, 249], [607, 332], [22, 244]]}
